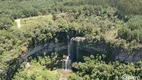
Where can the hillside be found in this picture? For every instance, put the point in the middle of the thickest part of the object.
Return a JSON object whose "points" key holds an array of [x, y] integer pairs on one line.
{"points": [[26, 24]]}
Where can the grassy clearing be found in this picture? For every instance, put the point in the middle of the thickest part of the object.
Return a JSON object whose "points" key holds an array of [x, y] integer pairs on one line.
{"points": [[27, 24], [111, 35]]}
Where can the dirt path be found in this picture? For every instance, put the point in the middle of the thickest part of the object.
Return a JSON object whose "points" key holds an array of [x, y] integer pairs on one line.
{"points": [[18, 23]]}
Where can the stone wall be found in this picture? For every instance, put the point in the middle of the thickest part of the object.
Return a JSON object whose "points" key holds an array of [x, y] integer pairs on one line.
{"points": [[48, 47], [116, 54]]}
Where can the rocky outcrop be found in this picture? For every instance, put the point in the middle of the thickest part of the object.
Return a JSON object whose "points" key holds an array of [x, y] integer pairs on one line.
{"points": [[129, 57], [48, 47], [80, 39], [117, 54]]}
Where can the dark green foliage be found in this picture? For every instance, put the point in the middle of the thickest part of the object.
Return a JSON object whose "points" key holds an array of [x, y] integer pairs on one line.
{"points": [[90, 18], [10, 48], [95, 68], [130, 6], [13, 9], [132, 29], [45, 65], [5, 22]]}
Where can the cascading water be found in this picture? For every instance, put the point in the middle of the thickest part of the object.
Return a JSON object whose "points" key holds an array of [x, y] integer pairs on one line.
{"points": [[69, 46], [73, 52], [77, 51], [66, 62]]}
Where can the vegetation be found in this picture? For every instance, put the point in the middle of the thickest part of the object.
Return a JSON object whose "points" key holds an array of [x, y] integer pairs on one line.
{"points": [[132, 29], [38, 70], [116, 22], [94, 67]]}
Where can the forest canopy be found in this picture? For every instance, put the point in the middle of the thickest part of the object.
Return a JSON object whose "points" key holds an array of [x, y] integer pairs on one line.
{"points": [[115, 22]]}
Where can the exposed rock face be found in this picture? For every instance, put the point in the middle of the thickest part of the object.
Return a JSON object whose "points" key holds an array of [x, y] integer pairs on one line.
{"points": [[130, 57], [117, 54], [81, 39], [124, 56], [49, 47]]}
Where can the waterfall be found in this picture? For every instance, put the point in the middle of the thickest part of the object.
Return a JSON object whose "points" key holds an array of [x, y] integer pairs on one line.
{"points": [[66, 62], [68, 49], [77, 50], [63, 64]]}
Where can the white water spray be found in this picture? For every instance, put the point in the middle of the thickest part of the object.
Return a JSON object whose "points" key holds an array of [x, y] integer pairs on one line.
{"points": [[66, 62], [77, 52]]}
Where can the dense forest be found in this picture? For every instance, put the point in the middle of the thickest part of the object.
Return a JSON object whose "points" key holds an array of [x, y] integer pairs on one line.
{"points": [[117, 22]]}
